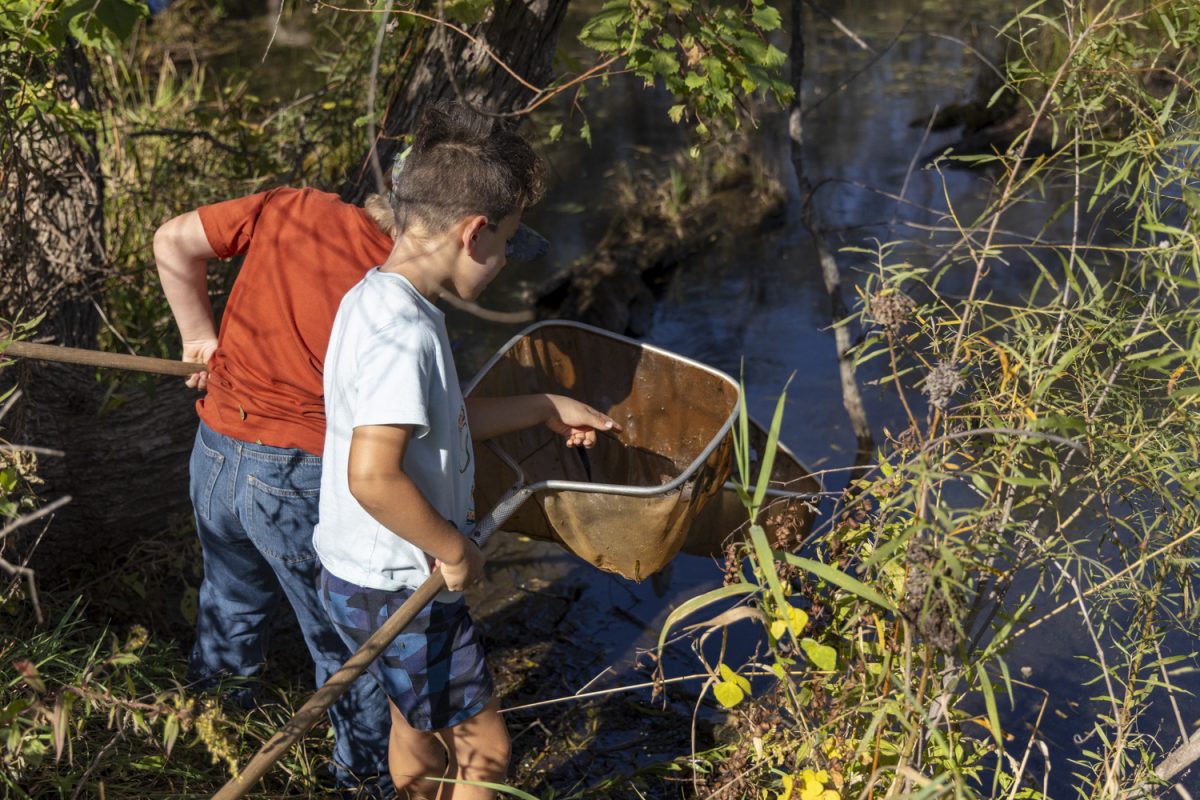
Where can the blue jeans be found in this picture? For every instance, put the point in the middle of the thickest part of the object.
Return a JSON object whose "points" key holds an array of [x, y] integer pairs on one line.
{"points": [[256, 507]]}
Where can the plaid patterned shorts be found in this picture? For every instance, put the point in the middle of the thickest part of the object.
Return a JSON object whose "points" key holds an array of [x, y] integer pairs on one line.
{"points": [[435, 671]]}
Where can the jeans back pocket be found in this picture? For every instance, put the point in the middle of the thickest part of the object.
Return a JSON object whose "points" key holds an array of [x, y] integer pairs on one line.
{"points": [[204, 469], [281, 511]]}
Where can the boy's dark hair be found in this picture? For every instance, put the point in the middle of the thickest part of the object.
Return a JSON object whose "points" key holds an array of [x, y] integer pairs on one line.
{"points": [[463, 163]]}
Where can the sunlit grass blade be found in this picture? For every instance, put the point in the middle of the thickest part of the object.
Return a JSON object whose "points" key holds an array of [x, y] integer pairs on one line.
{"points": [[766, 561], [767, 457], [840, 579], [989, 700], [696, 603], [495, 787]]}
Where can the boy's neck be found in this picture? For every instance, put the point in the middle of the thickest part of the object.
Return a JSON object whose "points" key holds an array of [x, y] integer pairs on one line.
{"points": [[423, 262]]}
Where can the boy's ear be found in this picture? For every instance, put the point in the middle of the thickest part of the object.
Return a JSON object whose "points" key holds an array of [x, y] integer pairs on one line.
{"points": [[471, 227]]}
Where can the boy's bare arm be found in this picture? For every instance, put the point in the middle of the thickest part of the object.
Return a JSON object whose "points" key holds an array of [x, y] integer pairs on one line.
{"points": [[379, 483], [182, 251], [494, 416]]}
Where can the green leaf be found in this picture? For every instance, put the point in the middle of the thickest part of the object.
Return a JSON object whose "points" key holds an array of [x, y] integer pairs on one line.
{"points": [[766, 562], [839, 579], [989, 700], [822, 656], [676, 113], [767, 458], [10, 711], [170, 733], [664, 63], [766, 18], [556, 132], [585, 133], [602, 32], [92, 21], [775, 57]]}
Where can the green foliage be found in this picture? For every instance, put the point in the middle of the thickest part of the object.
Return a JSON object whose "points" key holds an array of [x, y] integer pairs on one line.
{"points": [[64, 694], [1055, 450], [707, 55], [32, 36], [40, 29]]}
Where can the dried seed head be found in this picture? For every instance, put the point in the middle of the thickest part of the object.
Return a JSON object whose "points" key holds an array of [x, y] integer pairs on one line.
{"points": [[941, 383], [890, 309], [927, 597]]}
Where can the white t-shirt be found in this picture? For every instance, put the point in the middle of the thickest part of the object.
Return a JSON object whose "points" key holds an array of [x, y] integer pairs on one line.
{"points": [[389, 363]]}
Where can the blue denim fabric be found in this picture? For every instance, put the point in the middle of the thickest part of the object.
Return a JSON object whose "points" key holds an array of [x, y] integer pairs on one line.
{"points": [[256, 507]]}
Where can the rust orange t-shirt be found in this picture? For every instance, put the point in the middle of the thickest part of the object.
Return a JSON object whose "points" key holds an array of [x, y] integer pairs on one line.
{"points": [[304, 249]]}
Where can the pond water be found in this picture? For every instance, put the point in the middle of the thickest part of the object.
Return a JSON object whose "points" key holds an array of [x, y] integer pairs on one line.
{"points": [[757, 303]]}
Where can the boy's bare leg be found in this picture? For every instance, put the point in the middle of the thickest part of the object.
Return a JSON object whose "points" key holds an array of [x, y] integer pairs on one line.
{"points": [[413, 754], [479, 750]]}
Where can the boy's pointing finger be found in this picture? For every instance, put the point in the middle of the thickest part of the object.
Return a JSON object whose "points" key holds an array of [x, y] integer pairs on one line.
{"points": [[607, 423]]}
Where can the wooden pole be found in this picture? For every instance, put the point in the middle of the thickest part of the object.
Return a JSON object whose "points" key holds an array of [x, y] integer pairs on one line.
{"points": [[340, 681], [312, 711], [98, 358]]}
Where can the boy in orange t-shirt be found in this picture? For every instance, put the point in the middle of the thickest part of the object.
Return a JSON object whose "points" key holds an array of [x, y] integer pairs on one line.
{"points": [[256, 464]]}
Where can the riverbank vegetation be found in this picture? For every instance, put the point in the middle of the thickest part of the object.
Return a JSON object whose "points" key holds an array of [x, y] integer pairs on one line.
{"points": [[1044, 468], [1038, 343]]}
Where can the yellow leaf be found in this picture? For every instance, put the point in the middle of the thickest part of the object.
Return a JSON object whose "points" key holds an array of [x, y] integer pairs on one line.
{"points": [[728, 694], [797, 619], [730, 676], [812, 790], [778, 628]]}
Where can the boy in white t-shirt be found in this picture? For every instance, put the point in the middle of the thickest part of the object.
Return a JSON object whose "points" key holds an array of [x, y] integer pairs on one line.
{"points": [[396, 490]]}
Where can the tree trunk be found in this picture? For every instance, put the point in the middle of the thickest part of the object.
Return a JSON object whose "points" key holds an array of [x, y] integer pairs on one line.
{"points": [[52, 249], [51, 222], [523, 35], [125, 469]]}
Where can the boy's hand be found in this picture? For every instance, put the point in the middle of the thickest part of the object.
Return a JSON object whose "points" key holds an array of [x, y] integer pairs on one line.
{"points": [[577, 421], [461, 575], [198, 352]]}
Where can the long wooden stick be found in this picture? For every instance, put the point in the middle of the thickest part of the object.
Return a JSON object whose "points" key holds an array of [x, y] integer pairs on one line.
{"points": [[314, 710], [327, 695], [99, 358]]}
